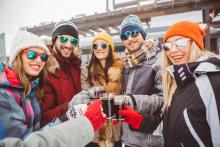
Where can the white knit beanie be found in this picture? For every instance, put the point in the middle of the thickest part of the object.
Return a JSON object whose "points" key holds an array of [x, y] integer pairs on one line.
{"points": [[24, 40]]}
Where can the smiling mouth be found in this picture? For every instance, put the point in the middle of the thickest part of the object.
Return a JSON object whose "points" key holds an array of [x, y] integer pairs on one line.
{"points": [[66, 51], [177, 57], [133, 45], [100, 52], [35, 67]]}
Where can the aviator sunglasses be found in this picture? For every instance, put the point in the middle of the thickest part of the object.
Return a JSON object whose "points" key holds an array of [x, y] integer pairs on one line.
{"points": [[133, 33], [99, 45], [179, 44], [64, 39], [33, 55]]}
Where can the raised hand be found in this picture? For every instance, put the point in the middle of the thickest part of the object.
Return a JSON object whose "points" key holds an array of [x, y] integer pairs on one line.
{"points": [[132, 117]]}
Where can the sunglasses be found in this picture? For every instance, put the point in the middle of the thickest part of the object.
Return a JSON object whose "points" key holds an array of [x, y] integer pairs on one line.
{"points": [[99, 45], [64, 39], [132, 33], [33, 55], [179, 44]]}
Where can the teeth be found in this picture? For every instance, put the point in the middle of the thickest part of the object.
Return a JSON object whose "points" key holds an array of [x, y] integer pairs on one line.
{"points": [[35, 66], [178, 57], [66, 51]]}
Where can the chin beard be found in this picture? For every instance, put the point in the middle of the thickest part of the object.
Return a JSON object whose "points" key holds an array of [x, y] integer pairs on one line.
{"points": [[59, 52]]}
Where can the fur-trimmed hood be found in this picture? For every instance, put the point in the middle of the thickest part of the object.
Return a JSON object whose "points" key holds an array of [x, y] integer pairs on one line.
{"points": [[52, 64]]}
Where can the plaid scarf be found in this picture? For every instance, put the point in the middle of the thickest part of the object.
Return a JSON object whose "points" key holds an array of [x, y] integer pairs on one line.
{"points": [[133, 58]]}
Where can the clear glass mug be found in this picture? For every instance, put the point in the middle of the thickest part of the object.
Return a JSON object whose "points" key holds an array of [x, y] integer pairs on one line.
{"points": [[111, 107]]}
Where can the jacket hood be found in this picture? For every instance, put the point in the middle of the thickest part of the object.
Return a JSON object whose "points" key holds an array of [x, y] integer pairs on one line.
{"points": [[9, 78], [185, 73]]}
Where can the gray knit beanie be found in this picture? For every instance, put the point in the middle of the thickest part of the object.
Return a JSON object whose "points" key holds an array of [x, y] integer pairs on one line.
{"points": [[64, 28], [24, 40], [132, 22]]}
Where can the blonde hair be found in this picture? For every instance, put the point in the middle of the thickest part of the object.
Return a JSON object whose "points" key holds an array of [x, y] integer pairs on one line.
{"points": [[169, 84], [18, 68]]}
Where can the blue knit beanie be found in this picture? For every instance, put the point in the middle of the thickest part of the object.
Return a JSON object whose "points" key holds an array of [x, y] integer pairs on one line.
{"points": [[132, 22]]}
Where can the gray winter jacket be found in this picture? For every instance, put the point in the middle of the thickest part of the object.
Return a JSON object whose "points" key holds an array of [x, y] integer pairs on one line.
{"points": [[144, 82], [73, 133]]}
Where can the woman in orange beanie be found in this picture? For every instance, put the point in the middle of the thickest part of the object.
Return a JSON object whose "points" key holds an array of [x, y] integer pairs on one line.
{"points": [[191, 81]]}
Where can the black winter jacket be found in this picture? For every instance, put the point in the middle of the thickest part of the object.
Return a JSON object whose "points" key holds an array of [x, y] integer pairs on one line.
{"points": [[193, 118]]}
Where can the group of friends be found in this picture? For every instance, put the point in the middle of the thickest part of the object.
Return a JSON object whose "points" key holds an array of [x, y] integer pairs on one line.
{"points": [[169, 90]]}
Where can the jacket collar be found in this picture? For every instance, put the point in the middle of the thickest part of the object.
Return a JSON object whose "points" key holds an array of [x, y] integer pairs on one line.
{"points": [[66, 63], [9, 78], [185, 73]]}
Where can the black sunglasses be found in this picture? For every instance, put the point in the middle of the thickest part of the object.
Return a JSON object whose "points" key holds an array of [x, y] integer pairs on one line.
{"points": [[99, 45]]}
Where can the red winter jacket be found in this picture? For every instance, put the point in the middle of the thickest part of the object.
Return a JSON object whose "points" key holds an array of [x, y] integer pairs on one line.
{"points": [[60, 88]]}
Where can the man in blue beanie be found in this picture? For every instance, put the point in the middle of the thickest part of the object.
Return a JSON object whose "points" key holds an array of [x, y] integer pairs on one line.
{"points": [[142, 85]]}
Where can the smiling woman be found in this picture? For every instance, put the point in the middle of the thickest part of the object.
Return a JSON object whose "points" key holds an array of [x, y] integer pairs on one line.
{"points": [[105, 70], [191, 84], [21, 86], [33, 60]]}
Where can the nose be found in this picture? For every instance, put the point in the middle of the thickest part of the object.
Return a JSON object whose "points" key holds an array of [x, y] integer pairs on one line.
{"points": [[38, 59], [68, 44], [130, 38], [99, 47], [173, 48]]}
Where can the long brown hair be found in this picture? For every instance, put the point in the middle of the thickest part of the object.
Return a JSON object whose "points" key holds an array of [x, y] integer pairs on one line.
{"points": [[18, 68], [94, 63]]}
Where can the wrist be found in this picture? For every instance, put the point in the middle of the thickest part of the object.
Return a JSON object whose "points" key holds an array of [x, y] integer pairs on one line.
{"points": [[63, 117], [76, 111]]}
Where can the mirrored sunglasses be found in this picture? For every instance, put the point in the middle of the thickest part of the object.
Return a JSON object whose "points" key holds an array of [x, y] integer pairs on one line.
{"points": [[132, 33], [99, 45], [33, 55], [179, 44], [73, 40]]}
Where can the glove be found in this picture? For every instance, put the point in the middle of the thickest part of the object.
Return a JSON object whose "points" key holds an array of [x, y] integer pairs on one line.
{"points": [[133, 118], [94, 92], [123, 99], [80, 98], [76, 111], [95, 115], [84, 96]]}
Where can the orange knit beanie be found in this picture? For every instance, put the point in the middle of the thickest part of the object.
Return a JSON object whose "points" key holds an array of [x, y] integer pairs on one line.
{"points": [[186, 29]]}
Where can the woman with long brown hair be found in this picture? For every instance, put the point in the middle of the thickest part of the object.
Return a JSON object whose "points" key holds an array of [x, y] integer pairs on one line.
{"points": [[105, 70]]}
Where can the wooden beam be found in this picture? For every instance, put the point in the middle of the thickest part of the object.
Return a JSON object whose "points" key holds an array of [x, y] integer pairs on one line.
{"points": [[115, 17]]}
